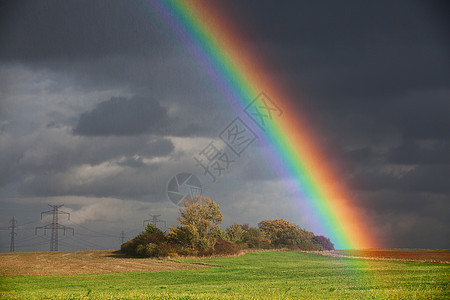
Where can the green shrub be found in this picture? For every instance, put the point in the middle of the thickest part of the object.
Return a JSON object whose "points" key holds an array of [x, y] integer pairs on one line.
{"points": [[205, 244], [128, 248], [140, 250], [151, 250], [186, 235], [216, 232], [235, 233]]}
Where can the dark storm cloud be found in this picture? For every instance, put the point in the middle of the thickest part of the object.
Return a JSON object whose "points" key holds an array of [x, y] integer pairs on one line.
{"points": [[126, 183], [56, 151], [373, 76], [423, 178], [425, 117], [411, 153], [429, 178], [121, 116], [410, 218], [372, 180], [361, 59], [56, 30]]}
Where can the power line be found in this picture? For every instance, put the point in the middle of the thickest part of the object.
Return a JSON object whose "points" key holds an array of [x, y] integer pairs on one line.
{"points": [[54, 226], [88, 229]]}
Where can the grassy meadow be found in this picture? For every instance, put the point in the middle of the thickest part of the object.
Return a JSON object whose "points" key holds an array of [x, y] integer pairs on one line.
{"points": [[261, 275]]}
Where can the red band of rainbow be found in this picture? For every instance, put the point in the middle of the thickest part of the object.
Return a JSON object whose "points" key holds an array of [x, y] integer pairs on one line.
{"points": [[222, 53]]}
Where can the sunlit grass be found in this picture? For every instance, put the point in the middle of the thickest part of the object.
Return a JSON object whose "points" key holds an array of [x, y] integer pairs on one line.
{"points": [[266, 275]]}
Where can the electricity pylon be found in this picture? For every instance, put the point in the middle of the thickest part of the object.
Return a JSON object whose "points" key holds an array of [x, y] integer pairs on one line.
{"points": [[54, 226], [154, 220], [122, 236], [13, 233]]}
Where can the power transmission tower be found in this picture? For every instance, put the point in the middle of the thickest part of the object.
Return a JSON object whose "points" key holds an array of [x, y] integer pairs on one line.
{"points": [[54, 226], [154, 220], [122, 236], [13, 233]]}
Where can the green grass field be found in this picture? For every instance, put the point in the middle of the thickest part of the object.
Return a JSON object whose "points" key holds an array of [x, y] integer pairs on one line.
{"points": [[263, 275]]}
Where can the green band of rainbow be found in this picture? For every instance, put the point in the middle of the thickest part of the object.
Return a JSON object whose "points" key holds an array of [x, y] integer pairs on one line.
{"points": [[222, 54]]}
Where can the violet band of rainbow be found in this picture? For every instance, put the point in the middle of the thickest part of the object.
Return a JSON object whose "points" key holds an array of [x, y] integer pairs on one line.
{"points": [[221, 51]]}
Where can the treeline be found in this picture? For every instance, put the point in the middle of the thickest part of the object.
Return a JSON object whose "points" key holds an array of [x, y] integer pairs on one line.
{"points": [[199, 234]]}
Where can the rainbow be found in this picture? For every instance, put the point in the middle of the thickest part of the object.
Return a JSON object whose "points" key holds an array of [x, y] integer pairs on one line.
{"points": [[221, 52]]}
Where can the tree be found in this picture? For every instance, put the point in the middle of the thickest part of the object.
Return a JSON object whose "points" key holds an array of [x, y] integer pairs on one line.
{"points": [[204, 216], [254, 238], [202, 213], [247, 237], [324, 242], [235, 233], [285, 234]]}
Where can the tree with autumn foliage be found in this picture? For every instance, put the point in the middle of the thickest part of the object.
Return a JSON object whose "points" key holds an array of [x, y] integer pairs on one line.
{"points": [[282, 233], [202, 213], [199, 233], [204, 216]]}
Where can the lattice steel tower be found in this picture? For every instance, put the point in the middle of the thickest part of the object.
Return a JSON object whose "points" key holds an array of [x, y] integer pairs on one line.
{"points": [[154, 220], [13, 233], [54, 226]]}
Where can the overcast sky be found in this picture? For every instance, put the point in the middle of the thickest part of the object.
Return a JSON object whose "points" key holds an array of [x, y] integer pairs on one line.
{"points": [[101, 105]]}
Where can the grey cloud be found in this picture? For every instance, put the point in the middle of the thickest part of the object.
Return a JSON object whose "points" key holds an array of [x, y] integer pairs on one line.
{"points": [[424, 116], [121, 116], [121, 182], [133, 162], [372, 76], [410, 152], [428, 178], [55, 30], [360, 155], [406, 218], [404, 230], [55, 151], [422, 178], [372, 180]]}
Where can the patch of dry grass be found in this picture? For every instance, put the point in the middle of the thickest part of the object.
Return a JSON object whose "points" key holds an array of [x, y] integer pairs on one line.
{"points": [[83, 262]]}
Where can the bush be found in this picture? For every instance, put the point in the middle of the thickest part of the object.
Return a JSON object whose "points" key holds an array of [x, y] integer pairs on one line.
{"points": [[163, 250], [254, 238], [323, 242], [151, 250], [146, 244], [223, 247], [206, 244], [186, 251], [184, 235], [128, 248], [140, 250]]}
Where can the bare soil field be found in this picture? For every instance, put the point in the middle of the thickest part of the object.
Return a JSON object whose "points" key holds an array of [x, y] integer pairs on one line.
{"points": [[421, 255], [83, 262]]}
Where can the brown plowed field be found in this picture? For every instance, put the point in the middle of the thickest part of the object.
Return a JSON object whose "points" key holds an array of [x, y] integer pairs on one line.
{"points": [[83, 262], [422, 255]]}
